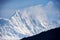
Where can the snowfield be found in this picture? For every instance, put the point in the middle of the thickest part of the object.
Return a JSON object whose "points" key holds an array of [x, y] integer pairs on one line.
{"points": [[25, 23]]}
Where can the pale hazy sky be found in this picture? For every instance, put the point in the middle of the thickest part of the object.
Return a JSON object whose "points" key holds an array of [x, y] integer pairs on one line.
{"points": [[8, 7]]}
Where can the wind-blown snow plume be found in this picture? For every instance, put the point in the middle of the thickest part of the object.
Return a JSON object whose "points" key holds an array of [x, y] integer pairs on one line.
{"points": [[27, 22]]}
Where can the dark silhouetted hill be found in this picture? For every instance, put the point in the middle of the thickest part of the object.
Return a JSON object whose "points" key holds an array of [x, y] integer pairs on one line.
{"points": [[53, 34]]}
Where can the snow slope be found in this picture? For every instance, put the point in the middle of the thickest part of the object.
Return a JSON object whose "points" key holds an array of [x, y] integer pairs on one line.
{"points": [[25, 23]]}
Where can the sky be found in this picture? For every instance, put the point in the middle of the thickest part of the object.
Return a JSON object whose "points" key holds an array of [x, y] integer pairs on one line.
{"points": [[8, 7]]}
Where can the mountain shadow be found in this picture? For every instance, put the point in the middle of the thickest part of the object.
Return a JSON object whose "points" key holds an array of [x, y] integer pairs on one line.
{"points": [[53, 34]]}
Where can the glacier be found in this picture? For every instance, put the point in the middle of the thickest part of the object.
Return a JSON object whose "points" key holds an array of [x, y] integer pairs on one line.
{"points": [[25, 23]]}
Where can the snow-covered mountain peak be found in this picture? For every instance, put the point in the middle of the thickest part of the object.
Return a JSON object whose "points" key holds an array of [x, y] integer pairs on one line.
{"points": [[25, 23]]}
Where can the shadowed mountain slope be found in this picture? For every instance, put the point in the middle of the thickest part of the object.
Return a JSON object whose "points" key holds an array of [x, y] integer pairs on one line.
{"points": [[53, 34]]}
